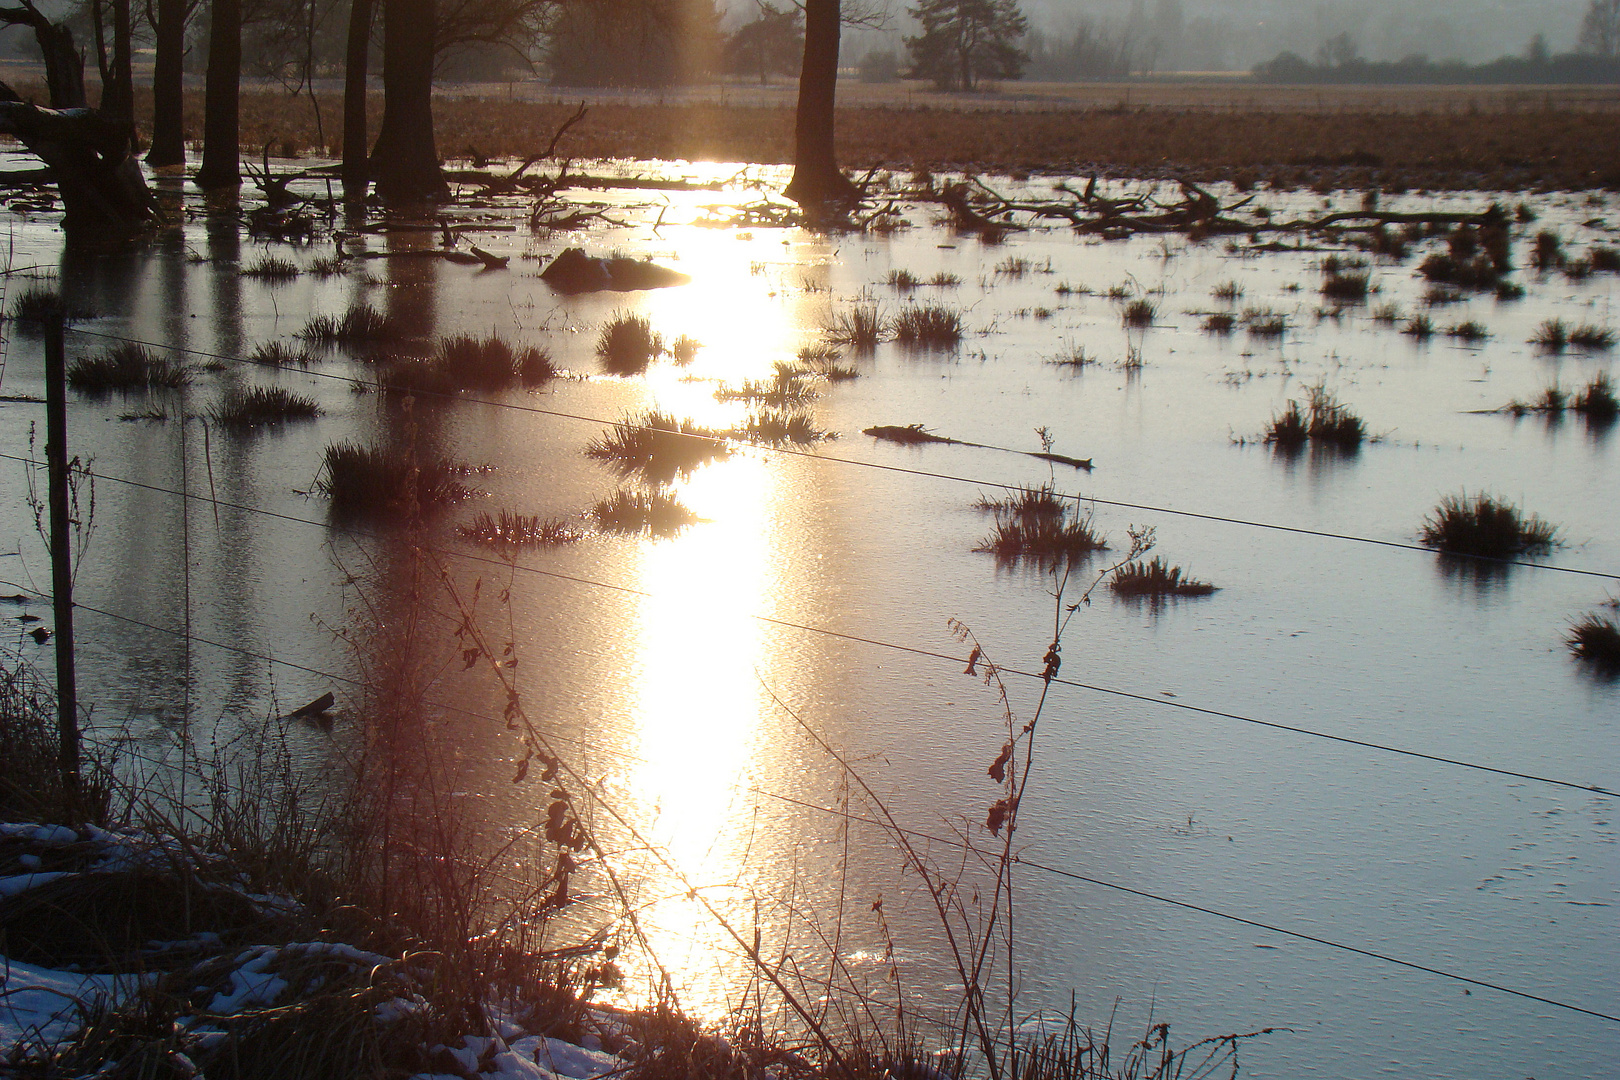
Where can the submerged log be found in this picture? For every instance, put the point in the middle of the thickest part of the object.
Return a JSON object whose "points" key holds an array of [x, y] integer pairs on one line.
{"points": [[104, 195]]}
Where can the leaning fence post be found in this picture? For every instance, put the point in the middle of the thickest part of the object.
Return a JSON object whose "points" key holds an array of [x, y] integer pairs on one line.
{"points": [[67, 707]]}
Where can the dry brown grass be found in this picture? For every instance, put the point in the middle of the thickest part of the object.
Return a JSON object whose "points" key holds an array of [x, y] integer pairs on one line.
{"points": [[1257, 134]]}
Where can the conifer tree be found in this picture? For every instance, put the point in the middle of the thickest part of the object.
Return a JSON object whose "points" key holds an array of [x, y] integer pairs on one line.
{"points": [[964, 41]]}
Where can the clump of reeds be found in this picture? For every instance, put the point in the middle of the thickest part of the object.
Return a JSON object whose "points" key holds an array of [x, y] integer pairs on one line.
{"points": [[280, 354], [1389, 313], [360, 325], [1139, 312], [1442, 295], [1219, 322], [654, 512], [823, 360], [1597, 402], [272, 269], [860, 327], [779, 427], [1547, 250], [512, 530], [628, 344], [1262, 323], [1156, 578], [1596, 640], [657, 445], [1034, 525], [1470, 331], [1322, 420], [1419, 326], [685, 349], [1347, 286], [928, 326], [127, 367], [1509, 290], [1227, 292], [1592, 338], [491, 363], [374, 481], [902, 280], [259, 406], [1552, 335], [1072, 356], [35, 305], [1013, 267], [944, 280], [1487, 527]]}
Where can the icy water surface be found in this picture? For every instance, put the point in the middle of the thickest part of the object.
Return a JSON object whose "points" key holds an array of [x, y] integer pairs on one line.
{"points": [[668, 666]]}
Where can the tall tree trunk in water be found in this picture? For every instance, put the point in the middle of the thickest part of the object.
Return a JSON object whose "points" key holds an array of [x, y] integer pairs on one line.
{"points": [[222, 155], [356, 170], [168, 103], [816, 179], [405, 162]]}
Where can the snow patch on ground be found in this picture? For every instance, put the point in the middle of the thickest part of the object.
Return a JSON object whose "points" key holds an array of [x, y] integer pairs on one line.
{"points": [[43, 1005]]}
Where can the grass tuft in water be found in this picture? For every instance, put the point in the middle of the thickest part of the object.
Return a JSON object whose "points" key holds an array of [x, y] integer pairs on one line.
{"points": [[1265, 324], [861, 327], [779, 427], [1033, 525], [932, 326], [1596, 640], [1072, 356], [491, 363], [1321, 420], [1347, 286], [360, 325], [1156, 578], [628, 344], [1139, 312], [944, 280], [1420, 327], [684, 349], [1487, 527], [1470, 331], [259, 406], [902, 280], [280, 354], [512, 530], [1592, 338], [659, 446], [1227, 292], [1389, 313], [273, 270], [128, 368], [31, 308], [1219, 322], [1597, 402], [377, 482], [652, 512]]}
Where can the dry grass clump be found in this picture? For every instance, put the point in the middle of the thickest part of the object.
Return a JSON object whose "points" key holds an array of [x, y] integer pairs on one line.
{"points": [[1555, 335], [1596, 403], [273, 270], [1592, 338], [127, 367], [378, 482], [945, 280], [860, 327], [31, 308], [823, 360], [1420, 327], [929, 326], [628, 344], [259, 406], [1547, 250], [1156, 578], [779, 427], [685, 349], [1072, 356], [1389, 313], [786, 388], [1552, 335], [1470, 331], [513, 530], [1033, 525], [1227, 292], [360, 325], [1139, 312], [1596, 640], [1347, 286], [1219, 322], [1487, 527], [654, 512], [280, 354], [491, 363], [1322, 420], [902, 280], [659, 446], [1264, 323]]}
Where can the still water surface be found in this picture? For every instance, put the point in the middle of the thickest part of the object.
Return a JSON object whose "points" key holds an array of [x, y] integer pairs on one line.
{"points": [[667, 668]]}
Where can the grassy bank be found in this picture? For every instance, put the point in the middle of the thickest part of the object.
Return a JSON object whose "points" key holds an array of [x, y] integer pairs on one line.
{"points": [[1324, 138]]}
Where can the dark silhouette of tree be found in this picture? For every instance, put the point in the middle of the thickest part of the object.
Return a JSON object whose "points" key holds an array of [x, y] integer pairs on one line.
{"points": [[222, 156], [1600, 28], [104, 197], [405, 161], [168, 100], [356, 167], [772, 43], [963, 41], [117, 78], [816, 180]]}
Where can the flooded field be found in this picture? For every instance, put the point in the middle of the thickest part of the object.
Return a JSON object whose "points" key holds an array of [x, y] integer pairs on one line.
{"points": [[1352, 739]]}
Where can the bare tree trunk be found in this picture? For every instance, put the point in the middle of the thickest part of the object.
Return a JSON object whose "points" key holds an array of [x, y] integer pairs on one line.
{"points": [[816, 179], [356, 170], [222, 154], [405, 162], [118, 96], [168, 102]]}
